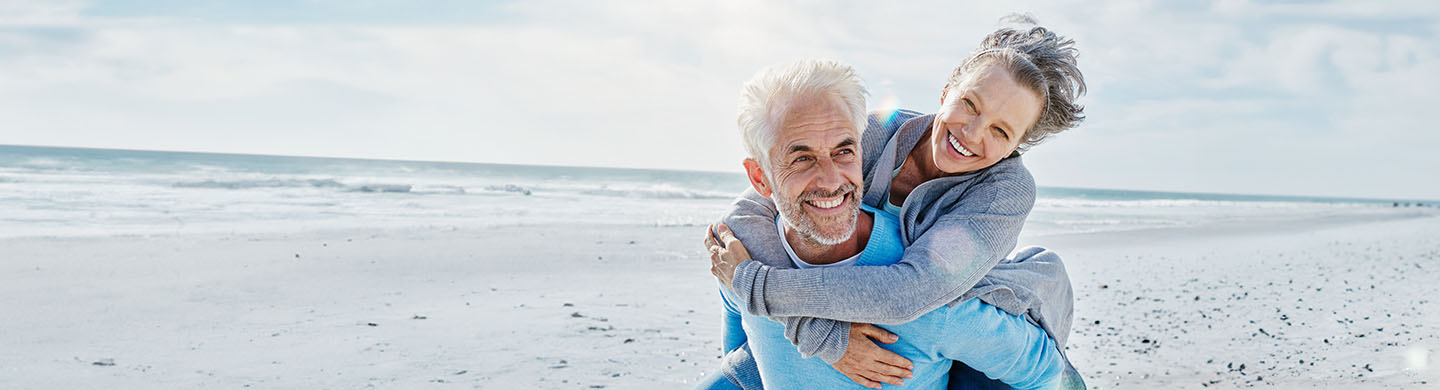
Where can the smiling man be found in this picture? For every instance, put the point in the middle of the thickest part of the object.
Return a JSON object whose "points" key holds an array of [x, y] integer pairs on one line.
{"points": [[801, 124]]}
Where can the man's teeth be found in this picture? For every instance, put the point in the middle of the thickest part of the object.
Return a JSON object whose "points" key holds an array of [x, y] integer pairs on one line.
{"points": [[828, 204], [956, 143]]}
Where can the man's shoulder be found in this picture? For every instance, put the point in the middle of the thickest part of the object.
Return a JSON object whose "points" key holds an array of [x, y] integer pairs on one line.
{"points": [[752, 218]]}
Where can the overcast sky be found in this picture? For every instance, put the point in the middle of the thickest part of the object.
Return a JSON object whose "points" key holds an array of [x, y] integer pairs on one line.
{"points": [[1328, 99]]}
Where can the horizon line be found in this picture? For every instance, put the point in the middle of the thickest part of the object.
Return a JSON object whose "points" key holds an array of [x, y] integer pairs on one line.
{"points": [[1326, 197]]}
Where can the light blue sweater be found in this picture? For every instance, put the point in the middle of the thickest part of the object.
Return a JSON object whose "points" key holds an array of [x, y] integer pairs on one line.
{"points": [[1000, 345]]}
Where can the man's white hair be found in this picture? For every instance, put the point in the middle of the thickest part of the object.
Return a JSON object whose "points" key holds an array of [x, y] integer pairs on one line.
{"points": [[768, 97]]}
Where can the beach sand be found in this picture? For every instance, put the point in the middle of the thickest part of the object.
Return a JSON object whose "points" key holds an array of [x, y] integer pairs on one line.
{"points": [[1333, 302]]}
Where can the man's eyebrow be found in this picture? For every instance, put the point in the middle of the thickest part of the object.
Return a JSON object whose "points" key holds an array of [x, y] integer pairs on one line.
{"points": [[798, 148], [847, 142]]}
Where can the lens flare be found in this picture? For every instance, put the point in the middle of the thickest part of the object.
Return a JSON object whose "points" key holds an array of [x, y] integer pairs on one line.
{"points": [[887, 106]]}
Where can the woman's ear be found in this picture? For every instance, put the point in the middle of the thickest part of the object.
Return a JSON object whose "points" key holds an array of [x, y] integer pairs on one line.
{"points": [[757, 178], [944, 90]]}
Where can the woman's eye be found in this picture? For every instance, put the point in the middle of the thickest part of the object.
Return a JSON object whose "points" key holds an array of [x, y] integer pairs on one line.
{"points": [[969, 106], [1002, 133]]}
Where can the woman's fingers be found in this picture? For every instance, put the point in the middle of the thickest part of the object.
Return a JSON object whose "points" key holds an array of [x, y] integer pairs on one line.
{"points": [[863, 381], [732, 250], [889, 371], [878, 334], [878, 376], [897, 361], [726, 236], [710, 237], [887, 362], [884, 363]]}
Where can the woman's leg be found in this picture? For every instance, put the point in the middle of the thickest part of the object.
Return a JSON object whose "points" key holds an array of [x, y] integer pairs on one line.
{"points": [[737, 372]]}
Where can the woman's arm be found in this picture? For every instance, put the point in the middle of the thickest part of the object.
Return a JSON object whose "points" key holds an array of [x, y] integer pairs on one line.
{"points": [[937, 268]]}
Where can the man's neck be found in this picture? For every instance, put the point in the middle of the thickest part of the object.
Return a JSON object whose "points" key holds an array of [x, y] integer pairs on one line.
{"points": [[820, 254]]}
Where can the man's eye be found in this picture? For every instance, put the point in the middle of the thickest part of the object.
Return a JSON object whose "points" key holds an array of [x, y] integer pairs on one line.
{"points": [[802, 159], [845, 151]]}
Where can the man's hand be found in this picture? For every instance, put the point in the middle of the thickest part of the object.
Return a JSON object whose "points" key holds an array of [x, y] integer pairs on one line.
{"points": [[726, 253], [868, 364]]}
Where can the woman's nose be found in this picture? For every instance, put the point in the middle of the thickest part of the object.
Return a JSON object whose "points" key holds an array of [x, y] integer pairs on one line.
{"points": [[972, 134]]}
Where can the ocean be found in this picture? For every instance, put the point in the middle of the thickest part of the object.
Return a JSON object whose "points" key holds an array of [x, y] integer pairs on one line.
{"points": [[55, 191]]}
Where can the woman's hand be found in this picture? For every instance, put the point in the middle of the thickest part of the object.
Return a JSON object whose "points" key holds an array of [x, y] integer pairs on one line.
{"points": [[868, 364], [726, 253]]}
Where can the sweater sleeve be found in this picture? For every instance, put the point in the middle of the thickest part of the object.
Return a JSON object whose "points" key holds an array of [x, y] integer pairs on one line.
{"points": [[752, 219], [1011, 349], [937, 267]]}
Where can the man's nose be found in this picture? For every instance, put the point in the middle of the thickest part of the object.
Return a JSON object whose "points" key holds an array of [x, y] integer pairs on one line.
{"points": [[830, 176]]}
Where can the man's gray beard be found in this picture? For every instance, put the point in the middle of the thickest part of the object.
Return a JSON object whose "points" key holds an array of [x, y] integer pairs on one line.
{"points": [[795, 218]]}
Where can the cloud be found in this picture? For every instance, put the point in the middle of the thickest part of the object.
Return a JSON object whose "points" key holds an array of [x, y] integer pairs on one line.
{"points": [[1220, 97]]}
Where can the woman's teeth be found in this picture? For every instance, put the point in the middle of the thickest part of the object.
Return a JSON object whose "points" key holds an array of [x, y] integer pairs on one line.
{"points": [[956, 144], [827, 204]]}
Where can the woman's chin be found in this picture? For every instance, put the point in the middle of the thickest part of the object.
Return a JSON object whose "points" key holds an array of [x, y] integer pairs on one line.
{"points": [[952, 166]]}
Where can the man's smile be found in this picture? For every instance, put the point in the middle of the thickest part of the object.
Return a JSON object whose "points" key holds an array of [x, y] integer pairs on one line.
{"points": [[829, 204]]}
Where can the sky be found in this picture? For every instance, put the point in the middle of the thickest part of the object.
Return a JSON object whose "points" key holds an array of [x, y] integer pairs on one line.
{"points": [[1254, 97]]}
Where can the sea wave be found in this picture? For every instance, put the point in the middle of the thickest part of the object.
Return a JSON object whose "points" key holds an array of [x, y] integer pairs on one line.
{"points": [[1177, 203], [276, 183], [261, 183], [439, 189], [45, 163], [623, 190], [388, 188], [509, 188], [659, 191]]}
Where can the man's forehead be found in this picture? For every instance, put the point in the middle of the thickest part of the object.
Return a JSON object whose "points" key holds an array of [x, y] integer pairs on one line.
{"points": [[815, 125]]}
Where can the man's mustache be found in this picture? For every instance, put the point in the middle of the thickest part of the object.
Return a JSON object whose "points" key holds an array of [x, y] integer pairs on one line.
{"points": [[816, 194]]}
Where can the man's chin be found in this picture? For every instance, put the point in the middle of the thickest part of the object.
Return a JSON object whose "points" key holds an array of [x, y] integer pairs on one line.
{"points": [[834, 236]]}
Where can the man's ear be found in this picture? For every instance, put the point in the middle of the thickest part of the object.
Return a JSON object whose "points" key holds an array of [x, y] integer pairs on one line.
{"points": [[757, 177]]}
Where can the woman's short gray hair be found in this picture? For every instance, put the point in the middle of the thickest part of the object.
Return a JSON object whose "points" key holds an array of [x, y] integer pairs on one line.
{"points": [[1040, 60], [769, 95]]}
